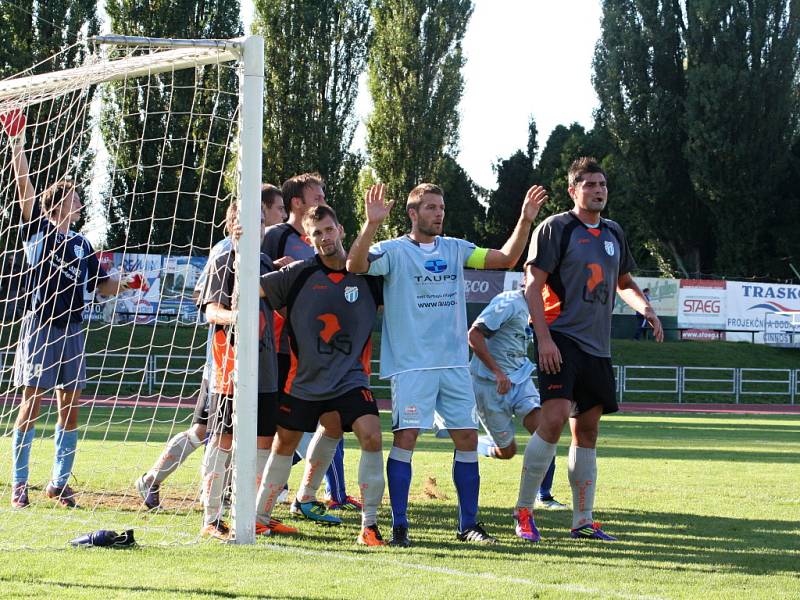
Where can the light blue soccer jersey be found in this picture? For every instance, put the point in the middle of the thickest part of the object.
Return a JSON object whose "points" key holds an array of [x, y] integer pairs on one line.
{"points": [[425, 310], [504, 323]]}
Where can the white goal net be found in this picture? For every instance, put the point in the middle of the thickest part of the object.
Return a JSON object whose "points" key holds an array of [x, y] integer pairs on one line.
{"points": [[155, 138]]}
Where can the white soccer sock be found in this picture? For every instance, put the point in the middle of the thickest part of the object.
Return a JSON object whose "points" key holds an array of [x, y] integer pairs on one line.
{"points": [[582, 471], [538, 456], [276, 474], [214, 463], [372, 485], [320, 454], [175, 452], [262, 456]]}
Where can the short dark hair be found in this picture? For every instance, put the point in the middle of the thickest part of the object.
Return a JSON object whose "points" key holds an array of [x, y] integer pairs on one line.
{"points": [[415, 195], [231, 216], [54, 195], [268, 194], [581, 166], [315, 214], [294, 186]]}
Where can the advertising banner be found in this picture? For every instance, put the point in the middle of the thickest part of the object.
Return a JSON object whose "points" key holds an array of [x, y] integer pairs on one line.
{"points": [[750, 303], [139, 305], [663, 296], [482, 286], [702, 304], [180, 275]]}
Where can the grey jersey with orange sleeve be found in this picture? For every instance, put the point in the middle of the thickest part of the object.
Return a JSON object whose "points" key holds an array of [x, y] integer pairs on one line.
{"points": [[584, 264], [329, 320]]}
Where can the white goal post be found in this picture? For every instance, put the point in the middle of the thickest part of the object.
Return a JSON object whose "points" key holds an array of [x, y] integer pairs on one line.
{"points": [[159, 135]]}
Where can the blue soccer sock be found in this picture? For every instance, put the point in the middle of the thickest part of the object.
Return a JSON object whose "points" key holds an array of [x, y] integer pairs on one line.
{"points": [[66, 443], [467, 479], [486, 446], [546, 489], [21, 453], [398, 476], [334, 476]]}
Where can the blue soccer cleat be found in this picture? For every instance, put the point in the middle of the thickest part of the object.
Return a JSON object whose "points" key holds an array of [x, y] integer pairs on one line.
{"points": [[314, 511], [591, 531], [105, 538]]}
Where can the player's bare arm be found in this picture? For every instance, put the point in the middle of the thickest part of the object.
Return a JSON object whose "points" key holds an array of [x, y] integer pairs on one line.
{"points": [[549, 354], [509, 254], [629, 291], [219, 315], [477, 341], [376, 208], [14, 125]]}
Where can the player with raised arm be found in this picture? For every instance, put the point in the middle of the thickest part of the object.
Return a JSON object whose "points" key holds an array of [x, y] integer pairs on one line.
{"points": [[501, 378], [329, 315], [50, 354], [302, 192], [179, 447], [424, 341], [576, 261]]}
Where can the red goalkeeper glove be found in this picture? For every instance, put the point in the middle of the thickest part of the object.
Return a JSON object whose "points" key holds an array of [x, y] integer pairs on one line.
{"points": [[13, 122]]}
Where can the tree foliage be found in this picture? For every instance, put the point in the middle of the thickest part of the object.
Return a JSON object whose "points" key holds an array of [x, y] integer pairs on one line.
{"points": [[416, 84], [40, 37], [742, 115], [700, 102], [315, 53], [171, 149], [465, 214]]}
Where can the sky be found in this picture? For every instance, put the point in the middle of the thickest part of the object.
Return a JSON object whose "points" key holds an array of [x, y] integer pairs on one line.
{"points": [[523, 58]]}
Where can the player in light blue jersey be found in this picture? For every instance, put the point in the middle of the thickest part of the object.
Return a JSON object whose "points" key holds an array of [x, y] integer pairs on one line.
{"points": [[501, 379], [423, 345]]}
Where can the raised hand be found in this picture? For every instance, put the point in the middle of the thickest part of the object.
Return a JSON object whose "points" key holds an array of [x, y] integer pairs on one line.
{"points": [[13, 123], [534, 200], [376, 208]]}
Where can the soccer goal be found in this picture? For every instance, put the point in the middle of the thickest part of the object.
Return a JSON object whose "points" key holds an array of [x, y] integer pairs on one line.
{"points": [[782, 329], [157, 137]]}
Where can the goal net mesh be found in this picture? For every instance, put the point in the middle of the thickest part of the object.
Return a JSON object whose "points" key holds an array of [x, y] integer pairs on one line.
{"points": [[149, 136]]}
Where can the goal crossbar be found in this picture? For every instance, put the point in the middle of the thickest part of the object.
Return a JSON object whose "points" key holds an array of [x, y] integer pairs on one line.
{"points": [[46, 86]]}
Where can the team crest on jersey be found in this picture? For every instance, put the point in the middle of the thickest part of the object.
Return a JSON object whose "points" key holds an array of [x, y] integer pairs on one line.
{"points": [[436, 265], [79, 252], [609, 248], [351, 293]]}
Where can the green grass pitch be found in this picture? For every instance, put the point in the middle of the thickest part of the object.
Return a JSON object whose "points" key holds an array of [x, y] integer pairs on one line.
{"points": [[705, 507]]}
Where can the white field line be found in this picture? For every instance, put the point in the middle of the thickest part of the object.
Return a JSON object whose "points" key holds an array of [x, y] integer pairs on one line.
{"points": [[561, 587]]}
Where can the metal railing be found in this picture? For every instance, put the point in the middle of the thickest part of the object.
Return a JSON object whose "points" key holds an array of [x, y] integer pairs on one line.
{"points": [[160, 373]]}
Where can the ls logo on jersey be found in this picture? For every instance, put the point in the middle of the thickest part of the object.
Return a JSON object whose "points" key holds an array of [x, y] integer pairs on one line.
{"points": [[79, 252], [436, 265], [351, 293], [609, 248]]}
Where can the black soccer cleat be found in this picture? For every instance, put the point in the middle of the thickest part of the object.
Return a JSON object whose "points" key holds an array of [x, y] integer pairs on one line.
{"points": [[477, 535], [400, 537]]}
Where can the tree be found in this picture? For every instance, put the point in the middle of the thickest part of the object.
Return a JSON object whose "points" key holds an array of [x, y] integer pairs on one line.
{"points": [[640, 78], [465, 214], [165, 194], [700, 99], [314, 54], [55, 40], [416, 84], [742, 116]]}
